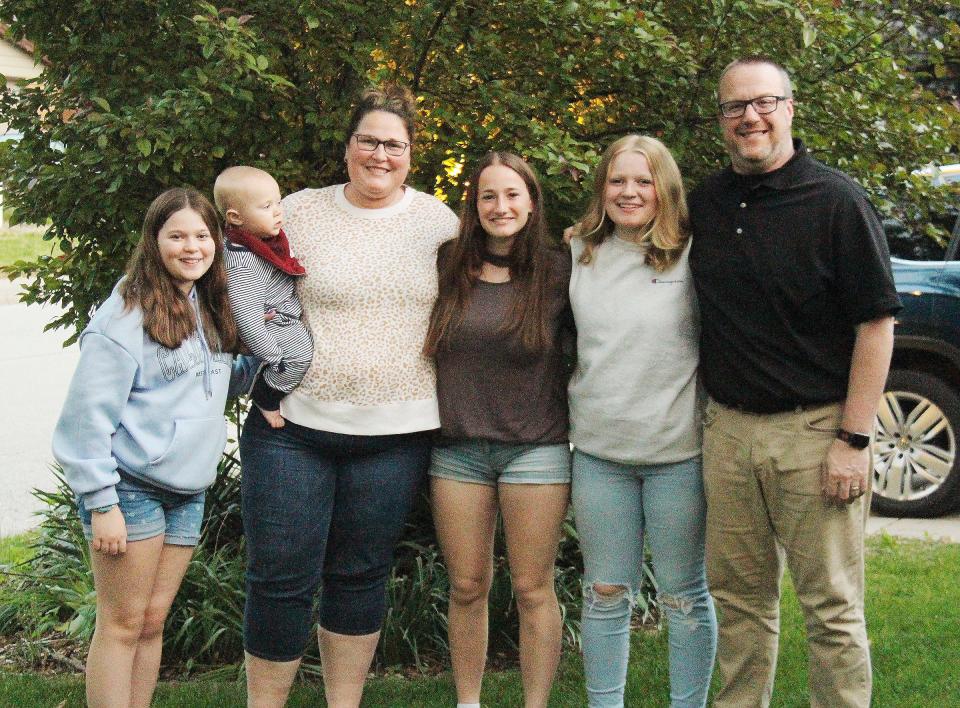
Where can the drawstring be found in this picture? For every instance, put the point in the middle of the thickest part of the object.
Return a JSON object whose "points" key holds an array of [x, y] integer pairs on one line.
{"points": [[207, 359]]}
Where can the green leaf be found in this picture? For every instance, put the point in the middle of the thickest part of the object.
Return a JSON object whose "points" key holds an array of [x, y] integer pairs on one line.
{"points": [[102, 102], [262, 62], [143, 166], [144, 146]]}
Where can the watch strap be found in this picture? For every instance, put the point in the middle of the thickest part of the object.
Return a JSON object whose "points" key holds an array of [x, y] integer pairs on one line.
{"points": [[858, 441]]}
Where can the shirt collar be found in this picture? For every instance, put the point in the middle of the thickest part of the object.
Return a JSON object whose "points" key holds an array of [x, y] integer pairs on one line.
{"points": [[781, 178]]}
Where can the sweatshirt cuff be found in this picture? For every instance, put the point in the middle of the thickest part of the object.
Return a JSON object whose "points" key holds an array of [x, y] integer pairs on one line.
{"points": [[101, 497]]}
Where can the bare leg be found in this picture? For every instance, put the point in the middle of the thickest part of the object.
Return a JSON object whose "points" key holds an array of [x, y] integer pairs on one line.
{"points": [[464, 515], [532, 517], [146, 663], [346, 660], [268, 682], [124, 584]]}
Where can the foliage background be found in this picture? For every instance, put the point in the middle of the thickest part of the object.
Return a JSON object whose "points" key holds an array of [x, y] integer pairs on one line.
{"points": [[141, 95]]}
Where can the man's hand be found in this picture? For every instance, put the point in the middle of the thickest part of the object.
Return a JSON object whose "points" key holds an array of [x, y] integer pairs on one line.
{"points": [[844, 475], [109, 532]]}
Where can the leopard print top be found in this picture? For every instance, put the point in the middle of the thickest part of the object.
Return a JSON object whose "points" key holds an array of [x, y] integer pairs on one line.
{"points": [[370, 286]]}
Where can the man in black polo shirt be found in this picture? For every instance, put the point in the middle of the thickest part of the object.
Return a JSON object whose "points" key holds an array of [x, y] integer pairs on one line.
{"points": [[796, 299]]}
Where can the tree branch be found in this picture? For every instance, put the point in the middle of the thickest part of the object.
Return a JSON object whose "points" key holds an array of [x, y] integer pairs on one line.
{"points": [[428, 43]]}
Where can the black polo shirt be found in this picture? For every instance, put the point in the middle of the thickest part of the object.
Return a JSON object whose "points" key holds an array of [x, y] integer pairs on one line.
{"points": [[786, 264]]}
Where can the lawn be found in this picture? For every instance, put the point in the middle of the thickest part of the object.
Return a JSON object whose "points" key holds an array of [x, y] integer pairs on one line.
{"points": [[913, 611], [23, 245]]}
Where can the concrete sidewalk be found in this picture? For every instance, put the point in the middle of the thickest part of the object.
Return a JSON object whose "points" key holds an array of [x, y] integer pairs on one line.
{"points": [[35, 371]]}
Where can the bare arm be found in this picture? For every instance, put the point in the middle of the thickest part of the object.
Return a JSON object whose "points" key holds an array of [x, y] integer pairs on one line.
{"points": [[846, 468]]}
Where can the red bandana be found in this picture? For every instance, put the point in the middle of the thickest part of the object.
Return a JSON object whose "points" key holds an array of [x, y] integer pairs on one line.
{"points": [[275, 251]]}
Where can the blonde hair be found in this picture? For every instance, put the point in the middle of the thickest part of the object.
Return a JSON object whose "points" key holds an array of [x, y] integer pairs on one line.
{"points": [[230, 183], [668, 231]]}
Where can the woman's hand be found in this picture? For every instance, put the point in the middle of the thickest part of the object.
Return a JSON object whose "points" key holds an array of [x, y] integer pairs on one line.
{"points": [[570, 232], [109, 532]]}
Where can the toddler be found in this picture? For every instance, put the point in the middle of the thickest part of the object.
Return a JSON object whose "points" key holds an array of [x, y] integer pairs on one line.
{"points": [[261, 278]]}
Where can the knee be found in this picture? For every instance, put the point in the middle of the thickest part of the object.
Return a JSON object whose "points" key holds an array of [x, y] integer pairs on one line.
{"points": [[125, 626], [606, 599], [533, 594], [153, 620], [469, 590]]}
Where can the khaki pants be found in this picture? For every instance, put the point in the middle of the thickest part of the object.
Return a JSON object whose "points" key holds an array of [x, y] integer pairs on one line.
{"points": [[762, 482]]}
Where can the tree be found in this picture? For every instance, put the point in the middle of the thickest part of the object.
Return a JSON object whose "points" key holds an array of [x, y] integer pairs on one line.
{"points": [[139, 96]]}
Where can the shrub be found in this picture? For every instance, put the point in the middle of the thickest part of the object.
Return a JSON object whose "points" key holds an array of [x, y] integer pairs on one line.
{"points": [[204, 634]]}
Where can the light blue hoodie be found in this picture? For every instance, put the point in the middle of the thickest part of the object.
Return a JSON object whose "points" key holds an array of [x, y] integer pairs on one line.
{"points": [[133, 404]]}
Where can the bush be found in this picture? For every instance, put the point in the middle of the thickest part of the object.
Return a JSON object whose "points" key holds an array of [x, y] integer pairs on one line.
{"points": [[204, 634]]}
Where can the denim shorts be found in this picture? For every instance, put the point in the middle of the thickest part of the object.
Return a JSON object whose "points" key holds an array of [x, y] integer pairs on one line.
{"points": [[492, 463], [150, 511]]}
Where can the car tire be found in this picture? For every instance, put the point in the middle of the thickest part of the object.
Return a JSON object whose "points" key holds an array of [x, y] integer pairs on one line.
{"points": [[915, 455]]}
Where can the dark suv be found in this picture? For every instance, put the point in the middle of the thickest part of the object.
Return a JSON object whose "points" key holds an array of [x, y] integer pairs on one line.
{"points": [[916, 465]]}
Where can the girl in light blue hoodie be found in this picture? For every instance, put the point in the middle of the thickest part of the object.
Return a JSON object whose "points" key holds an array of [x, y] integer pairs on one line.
{"points": [[142, 431]]}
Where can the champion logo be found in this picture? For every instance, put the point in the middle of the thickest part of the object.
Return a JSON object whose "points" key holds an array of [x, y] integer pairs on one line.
{"points": [[663, 281]]}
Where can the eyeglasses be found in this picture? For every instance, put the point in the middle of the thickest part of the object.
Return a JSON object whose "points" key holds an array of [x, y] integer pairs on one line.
{"points": [[368, 143], [761, 104]]}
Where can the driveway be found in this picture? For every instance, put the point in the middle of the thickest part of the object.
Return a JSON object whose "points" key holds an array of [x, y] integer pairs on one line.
{"points": [[35, 371]]}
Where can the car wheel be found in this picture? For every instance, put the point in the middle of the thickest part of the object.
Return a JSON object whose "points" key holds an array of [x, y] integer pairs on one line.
{"points": [[915, 465]]}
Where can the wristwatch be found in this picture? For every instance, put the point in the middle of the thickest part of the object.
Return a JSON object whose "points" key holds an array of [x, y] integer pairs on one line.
{"points": [[857, 441]]}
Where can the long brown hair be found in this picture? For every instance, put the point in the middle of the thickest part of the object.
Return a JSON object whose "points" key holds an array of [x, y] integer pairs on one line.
{"points": [[460, 267], [669, 230], [168, 316]]}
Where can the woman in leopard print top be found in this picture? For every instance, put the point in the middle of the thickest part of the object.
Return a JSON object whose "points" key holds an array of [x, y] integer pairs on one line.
{"points": [[325, 497]]}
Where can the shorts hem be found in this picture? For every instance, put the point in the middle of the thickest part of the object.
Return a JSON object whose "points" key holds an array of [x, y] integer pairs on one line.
{"points": [[181, 541], [141, 535], [532, 480], [459, 477]]}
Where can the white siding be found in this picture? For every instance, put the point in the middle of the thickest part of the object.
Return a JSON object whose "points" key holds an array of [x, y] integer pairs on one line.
{"points": [[16, 63]]}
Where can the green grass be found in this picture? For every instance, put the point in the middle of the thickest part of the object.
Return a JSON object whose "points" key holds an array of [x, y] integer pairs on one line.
{"points": [[15, 549], [913, 614], [23, 245]]}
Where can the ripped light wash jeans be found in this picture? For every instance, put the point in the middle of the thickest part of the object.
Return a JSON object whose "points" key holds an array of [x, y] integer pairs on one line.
{"points": [[616, 506]]}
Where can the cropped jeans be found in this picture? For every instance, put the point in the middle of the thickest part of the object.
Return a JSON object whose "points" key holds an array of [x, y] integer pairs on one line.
{"points": [[616, 506], [321, 509]]}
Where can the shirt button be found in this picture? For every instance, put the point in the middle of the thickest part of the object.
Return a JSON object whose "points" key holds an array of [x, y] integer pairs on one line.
{"points": [[739, 230], [743, 205]]}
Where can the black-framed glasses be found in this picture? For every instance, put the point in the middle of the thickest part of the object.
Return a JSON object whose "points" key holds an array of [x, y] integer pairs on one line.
{"points": [[368, 143], [761, 104]]}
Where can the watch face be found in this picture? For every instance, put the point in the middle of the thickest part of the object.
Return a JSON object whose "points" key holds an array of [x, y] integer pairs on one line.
{"points": [[854, 440]]}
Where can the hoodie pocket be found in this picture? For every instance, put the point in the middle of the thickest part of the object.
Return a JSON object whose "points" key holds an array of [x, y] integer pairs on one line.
{"points": [[190, 461]]}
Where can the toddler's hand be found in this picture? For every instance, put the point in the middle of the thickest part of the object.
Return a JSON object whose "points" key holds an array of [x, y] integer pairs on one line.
{"points": [[273, 418], [109, 532]]}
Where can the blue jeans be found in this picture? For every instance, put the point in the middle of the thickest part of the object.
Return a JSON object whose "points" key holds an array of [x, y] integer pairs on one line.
{"points": [[326, 509], [615, 505]]}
